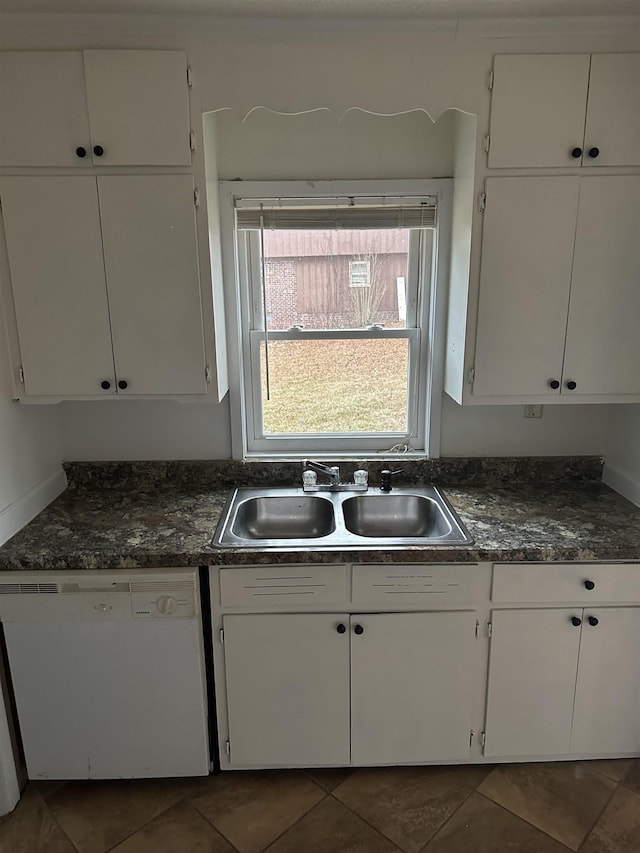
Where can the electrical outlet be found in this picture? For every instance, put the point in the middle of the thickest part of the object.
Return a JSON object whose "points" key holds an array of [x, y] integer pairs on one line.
{"points": [[533, 411]]}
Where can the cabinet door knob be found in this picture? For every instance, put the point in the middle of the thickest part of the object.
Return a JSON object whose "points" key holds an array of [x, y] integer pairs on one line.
{"points": [[576, 621], [593, 153], [589, 585], [105, 384], [593, 621], [571, 385], [576, 153], [98, 150], [359, 629], [81, 151], [122, 383], [554, 383], [340, 628]]}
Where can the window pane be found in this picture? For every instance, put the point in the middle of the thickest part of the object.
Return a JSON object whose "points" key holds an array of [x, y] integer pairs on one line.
{"points": [[331, 386], [345, 279]]}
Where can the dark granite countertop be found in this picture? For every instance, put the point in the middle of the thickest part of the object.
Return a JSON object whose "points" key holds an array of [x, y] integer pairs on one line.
{"points": [[115, 516]]}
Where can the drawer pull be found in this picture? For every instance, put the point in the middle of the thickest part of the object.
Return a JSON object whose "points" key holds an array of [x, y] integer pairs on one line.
{"points": [[589, 585], [341, 628], [576, 621], [593, 621], [359, 630]]}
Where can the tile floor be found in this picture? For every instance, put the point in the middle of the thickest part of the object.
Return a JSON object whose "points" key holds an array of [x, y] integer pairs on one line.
{"points": [[589, 806]]}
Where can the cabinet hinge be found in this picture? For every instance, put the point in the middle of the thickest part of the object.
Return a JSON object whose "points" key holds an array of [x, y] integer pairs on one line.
{"points": [[483, 740], [189, 76], [192, 141], [471, 734], [227, 747], [207, 373], [489, 629], [477, 626], [21, 376], [490, 81], [471, 375], [196, 197], [222, 636], [482, 202], [487, 143]]}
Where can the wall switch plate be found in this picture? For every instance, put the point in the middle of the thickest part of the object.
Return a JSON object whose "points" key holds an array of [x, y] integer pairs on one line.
{"points": [[533, 411]]}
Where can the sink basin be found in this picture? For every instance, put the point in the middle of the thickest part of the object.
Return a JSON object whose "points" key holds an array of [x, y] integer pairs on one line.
{"points": [[283, 517], [395, 515], [269, 519]]}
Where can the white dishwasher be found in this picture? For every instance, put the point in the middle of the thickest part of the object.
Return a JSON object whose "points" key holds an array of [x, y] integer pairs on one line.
{"points": [[108, 672]]}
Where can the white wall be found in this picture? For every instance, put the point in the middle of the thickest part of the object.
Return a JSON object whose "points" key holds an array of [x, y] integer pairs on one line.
{"points": [[30, 454], [622, 470], [384, 67]]}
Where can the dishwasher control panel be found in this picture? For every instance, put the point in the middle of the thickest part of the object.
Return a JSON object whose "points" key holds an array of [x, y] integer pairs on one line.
{"points": [[100, 596]]}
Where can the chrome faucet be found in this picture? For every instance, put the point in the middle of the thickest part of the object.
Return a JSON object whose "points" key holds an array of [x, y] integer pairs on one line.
{"points": [[335, 484], [332, 472]]}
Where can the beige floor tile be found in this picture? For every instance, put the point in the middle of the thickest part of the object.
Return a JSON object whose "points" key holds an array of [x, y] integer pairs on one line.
{"points": [[252, 808], [329, 777], [30, 828], [408, 804], [181, 829], [614, 768], [328, 828], [481, 826], [563, 799], [97, 815], [618, 830]]}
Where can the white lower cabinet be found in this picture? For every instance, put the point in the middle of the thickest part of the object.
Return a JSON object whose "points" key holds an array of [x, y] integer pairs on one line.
{"points": [[329, 688], [348, 665], [564, 683], [287, 686]]}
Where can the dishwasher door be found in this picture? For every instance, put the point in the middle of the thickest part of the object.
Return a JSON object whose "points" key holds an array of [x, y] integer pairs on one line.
{"points": [[108, 675]]}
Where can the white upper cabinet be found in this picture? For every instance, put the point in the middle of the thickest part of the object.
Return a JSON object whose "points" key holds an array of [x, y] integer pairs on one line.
{"points": [[59, 289], [565, 110], [559, 306], [105, 284], [613, 111], [95, 107]]}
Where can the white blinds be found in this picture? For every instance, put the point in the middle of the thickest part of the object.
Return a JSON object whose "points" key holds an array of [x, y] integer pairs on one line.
{"points": [[336, 213]]}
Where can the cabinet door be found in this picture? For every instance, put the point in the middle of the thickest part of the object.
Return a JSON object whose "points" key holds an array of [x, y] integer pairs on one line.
{"points": [[606, 718], [151, 262], [44, 111], [55, 257], [138, 106], [287, 682], [613, 112], [411, 686], [525, 276], [538, 108], [603, 343], [532, 676]]}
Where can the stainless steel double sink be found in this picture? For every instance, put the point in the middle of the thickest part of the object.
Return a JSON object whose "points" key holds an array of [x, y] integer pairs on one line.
{"points": [[262, 518]]}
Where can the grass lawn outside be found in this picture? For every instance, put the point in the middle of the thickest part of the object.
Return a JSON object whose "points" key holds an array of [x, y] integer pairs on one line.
{"points": [[336, 386]]}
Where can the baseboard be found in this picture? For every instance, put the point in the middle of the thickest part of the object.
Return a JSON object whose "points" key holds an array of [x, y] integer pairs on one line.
{"points": [[16, 515], [626, 486]]}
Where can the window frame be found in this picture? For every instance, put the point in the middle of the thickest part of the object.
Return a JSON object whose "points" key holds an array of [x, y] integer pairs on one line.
{"points": [[425, 323]]}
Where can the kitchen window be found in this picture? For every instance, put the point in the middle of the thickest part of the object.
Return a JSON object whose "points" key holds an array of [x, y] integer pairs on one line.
{"points": [[336, 301]]}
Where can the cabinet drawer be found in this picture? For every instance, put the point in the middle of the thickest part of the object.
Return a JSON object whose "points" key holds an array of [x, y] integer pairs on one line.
{"points": [[270, 585], [429, 585], [564, 582]]}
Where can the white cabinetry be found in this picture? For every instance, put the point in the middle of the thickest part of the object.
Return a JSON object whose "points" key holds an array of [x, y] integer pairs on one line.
{"points": [[565, 110], [105, 284], [106, 107], [559, 303], [564, 681], [346, 686]]}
